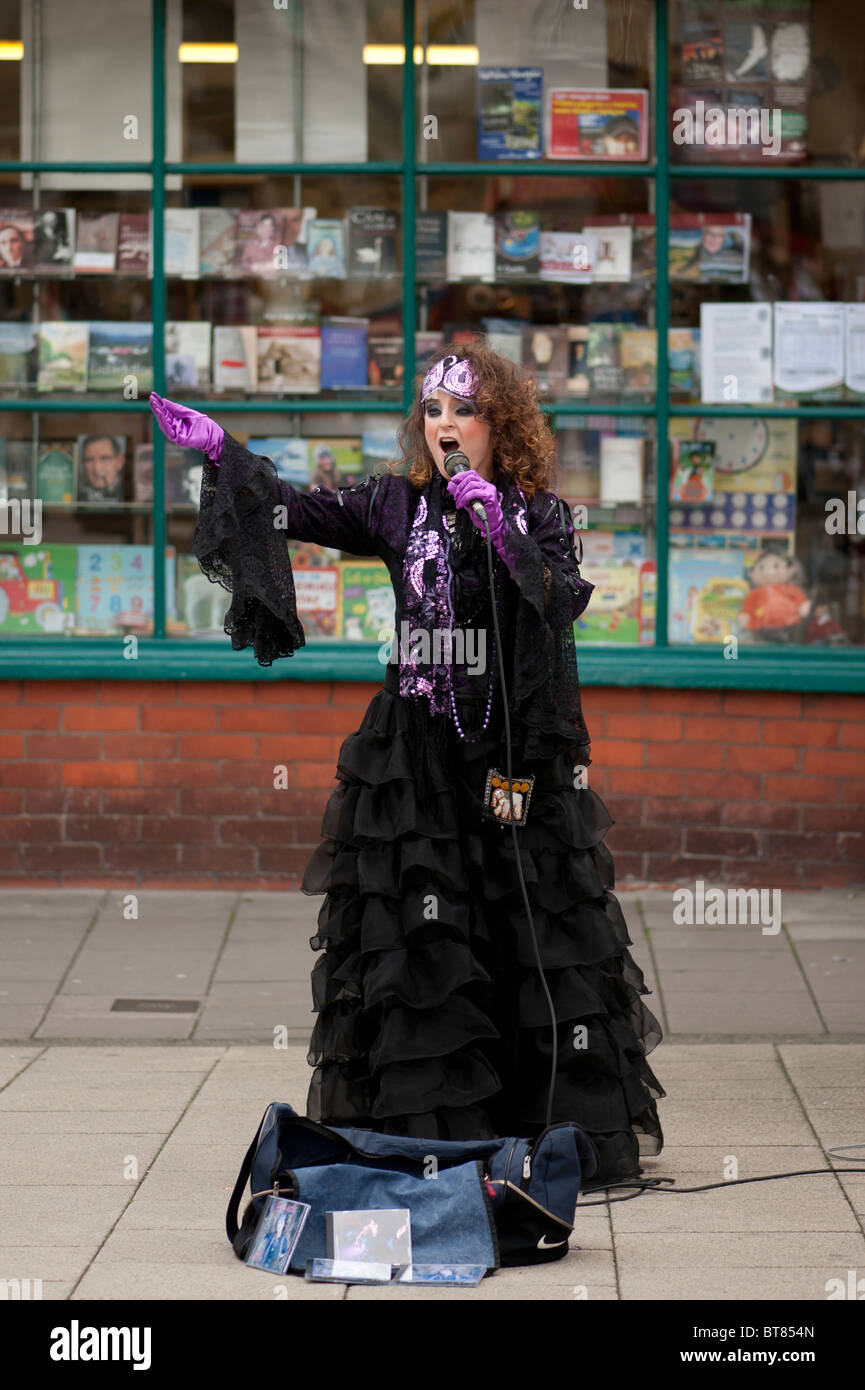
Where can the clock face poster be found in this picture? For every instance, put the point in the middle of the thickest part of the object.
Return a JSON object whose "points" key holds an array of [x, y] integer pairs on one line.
{"points": [[753, 486]]}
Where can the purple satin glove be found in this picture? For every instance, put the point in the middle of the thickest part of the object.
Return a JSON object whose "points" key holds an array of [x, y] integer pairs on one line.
{"points": [[188, 428], [468, 487]]}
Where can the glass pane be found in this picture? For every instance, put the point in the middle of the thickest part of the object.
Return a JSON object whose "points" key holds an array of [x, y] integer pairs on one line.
{"points": [[338, 595], [12, 47], [285, 286], [766, 246], [550, 272], [764, 539], [606, 473], [765, 82], [75, 310], [507, 79], [301, 81], [81, 81], [553, 270], [76, 555]]}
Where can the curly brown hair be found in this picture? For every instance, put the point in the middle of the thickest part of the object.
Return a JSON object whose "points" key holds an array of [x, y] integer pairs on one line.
{"points": [[523, 443]]}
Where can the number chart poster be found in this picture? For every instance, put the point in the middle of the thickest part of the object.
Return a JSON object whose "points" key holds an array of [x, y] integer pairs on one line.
{"points": [[115, 587]]}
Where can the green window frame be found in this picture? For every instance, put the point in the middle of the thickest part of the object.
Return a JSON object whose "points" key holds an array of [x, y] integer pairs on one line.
{"points": [[161, 658]]}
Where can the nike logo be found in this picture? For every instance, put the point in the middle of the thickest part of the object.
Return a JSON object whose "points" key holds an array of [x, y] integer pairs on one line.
{"points": [[544, 1244]]}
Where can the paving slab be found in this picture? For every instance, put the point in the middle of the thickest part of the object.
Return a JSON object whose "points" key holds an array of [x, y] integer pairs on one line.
{"points": [[800, 1204], [28, 1213], [716, 1284], [92, 1017], [17, 1020], [181, 978], [165, 1282], [44, 1122], [34, 964], [843, 1018], [15, 1060], [729, 1250], [16, 992], [708, 1162], [693, 1011], [86, 1160], [843, 931], [44, 1096], [66, 1262], [818, 905], [577, 1277], [148, 1212], [79, 1059]]}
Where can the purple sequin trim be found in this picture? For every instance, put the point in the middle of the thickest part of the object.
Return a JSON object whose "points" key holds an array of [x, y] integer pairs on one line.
{"points": [[425, 609], [430, 608], [453, 375]]}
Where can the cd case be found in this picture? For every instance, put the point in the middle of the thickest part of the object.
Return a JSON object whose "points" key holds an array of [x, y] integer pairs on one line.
{"points": [[376, 1237], [276, 1234], [465, 1275], [348, 1272]]}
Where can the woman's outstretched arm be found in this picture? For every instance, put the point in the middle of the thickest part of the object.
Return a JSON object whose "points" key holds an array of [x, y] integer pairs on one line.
{"points": [[339, 518], [246, 516]]}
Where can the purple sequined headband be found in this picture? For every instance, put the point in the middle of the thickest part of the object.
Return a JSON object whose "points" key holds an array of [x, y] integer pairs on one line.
{"points": [[451, 374]]}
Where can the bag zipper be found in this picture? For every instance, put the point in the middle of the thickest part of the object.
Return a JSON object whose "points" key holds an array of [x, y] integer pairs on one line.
{"points": [[368, 1160], [562, 1124], [503, 1183], [509, 1157]]}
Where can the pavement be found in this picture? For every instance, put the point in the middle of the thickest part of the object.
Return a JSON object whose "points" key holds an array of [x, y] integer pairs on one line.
{"points": [[122, 1128]]}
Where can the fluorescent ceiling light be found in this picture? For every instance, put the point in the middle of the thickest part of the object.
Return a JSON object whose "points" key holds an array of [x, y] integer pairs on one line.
{"points": [[453, 55], [208, 53], [379, 53], [12, 50], [440, 54]]}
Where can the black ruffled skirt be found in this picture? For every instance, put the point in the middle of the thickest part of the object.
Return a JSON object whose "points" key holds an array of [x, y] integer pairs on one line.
{"points": [[432, 1020]]}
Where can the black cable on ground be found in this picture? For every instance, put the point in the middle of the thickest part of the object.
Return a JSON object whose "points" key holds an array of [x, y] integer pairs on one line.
{"points": [[652, 1184]]}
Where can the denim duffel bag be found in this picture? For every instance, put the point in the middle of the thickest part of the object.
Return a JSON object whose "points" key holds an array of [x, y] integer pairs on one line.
{"points": [[486, 1201]]}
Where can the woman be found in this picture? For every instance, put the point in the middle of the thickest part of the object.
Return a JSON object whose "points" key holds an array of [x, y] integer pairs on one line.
{"points": [[257, 254], [432, 1017], [324, 471]]}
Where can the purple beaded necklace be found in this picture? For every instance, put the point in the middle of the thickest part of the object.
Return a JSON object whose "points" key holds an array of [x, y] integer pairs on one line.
{"points": [[466, 738]]}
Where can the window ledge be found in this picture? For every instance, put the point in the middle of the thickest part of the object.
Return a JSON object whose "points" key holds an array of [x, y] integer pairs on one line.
{"points": [[704, 667]]}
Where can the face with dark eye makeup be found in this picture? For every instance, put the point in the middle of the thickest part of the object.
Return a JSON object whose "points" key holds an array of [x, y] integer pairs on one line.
{"points": [[451, 423]]}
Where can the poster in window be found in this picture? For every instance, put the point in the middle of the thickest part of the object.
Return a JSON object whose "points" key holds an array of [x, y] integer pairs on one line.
{"points": [[509, 113], [598, 124]]}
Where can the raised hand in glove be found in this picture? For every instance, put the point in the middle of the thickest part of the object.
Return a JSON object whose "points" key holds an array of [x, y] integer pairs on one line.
{"points": [[468, 487], [188, 428]]}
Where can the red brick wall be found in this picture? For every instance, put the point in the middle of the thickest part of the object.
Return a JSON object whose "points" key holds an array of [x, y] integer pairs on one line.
{"points": [[122, 782]]}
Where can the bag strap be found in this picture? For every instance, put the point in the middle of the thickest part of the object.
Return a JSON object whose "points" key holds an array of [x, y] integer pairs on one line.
{"points": [[569, 543], [563, 524], [231, 1227]]}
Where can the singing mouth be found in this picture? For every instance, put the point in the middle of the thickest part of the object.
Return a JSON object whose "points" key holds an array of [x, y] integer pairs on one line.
{"points": [[448, 445]]}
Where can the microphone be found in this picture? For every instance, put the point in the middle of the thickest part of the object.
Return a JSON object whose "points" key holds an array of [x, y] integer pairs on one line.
{"points": [[456, 462]]}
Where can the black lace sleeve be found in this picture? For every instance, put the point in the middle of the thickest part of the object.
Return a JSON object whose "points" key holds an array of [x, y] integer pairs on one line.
{"points": [[238, 546], [246, 518], [546, 688]]}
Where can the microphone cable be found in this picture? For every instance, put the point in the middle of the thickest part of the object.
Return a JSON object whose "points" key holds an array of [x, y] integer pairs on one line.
{"points": [[653, 1184], [515, 837]]}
